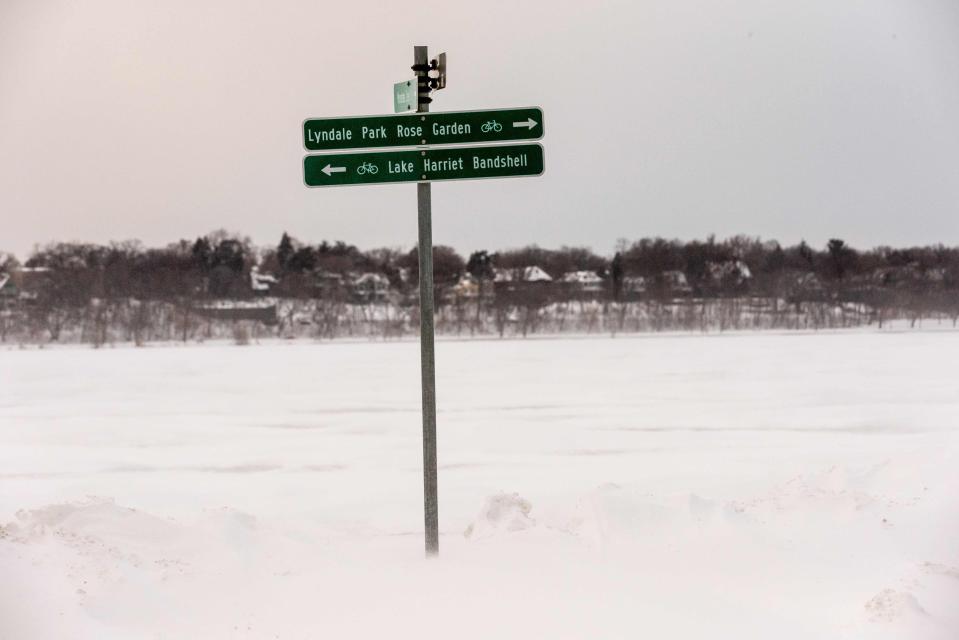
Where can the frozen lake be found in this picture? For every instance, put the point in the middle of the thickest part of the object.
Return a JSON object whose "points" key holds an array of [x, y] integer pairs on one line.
{"points": [[733, 486]]}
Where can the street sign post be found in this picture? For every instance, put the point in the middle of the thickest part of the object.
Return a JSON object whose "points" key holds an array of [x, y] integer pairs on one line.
{"points": [[423, 129], [424, 250], [423, 165]]}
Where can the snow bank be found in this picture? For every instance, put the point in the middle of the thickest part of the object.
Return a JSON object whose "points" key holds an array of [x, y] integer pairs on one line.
{"points": [[889, 605], [682, 487], [501, 513]]}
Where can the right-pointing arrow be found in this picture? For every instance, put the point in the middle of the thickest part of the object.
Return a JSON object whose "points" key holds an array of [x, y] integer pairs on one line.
{"points": [[529, 123], [328, 170]]}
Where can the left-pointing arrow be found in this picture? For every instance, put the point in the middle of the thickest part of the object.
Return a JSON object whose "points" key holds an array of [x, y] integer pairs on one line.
{"points": [[329, 170]]}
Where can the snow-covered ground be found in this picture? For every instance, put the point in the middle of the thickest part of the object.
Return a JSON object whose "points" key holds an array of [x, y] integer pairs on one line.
{"points": [[735, 486]]}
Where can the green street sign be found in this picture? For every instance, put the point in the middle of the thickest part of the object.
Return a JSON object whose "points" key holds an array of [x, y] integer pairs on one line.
{"points": [[404, 96], [423, 165], [423, 129]]}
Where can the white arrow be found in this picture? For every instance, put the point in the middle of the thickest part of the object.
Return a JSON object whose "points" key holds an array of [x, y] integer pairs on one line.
{"points": [[529, 124], [328, 170]]}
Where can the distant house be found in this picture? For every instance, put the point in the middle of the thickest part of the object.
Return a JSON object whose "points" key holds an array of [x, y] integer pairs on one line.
{"points": [[674, 282], [936, 275], [370, 287], [890, 276], [587, 281], [25, 283], [633, 287], [535, 274], [527, 281], [261, 283], [522, 274], [729, 273], [907, 275], [237, 310], [584, 283], [803, 286], [7, 290], [809, 281], [467, 288]]}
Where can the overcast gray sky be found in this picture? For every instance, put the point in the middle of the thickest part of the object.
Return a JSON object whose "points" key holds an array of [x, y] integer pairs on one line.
{"points": [[787, 119]]}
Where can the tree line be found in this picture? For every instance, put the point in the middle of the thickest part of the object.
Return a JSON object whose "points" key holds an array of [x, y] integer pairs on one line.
{"points": [[222, 284]]}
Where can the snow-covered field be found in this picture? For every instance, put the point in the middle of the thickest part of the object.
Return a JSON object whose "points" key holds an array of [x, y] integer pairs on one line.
{"points": [[736, 486]]}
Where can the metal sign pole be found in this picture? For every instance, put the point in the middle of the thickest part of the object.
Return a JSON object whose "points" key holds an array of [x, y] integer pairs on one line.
{"points": [[424, 165], [427, 360]]}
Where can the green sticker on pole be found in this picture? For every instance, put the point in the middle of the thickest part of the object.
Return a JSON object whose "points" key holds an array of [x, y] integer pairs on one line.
{"points": [[404, 96], [419, 129], [423, 165]]}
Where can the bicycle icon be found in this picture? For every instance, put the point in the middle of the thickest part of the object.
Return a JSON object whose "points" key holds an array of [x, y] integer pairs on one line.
{"points": [[367, 167], [491, 126]]}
